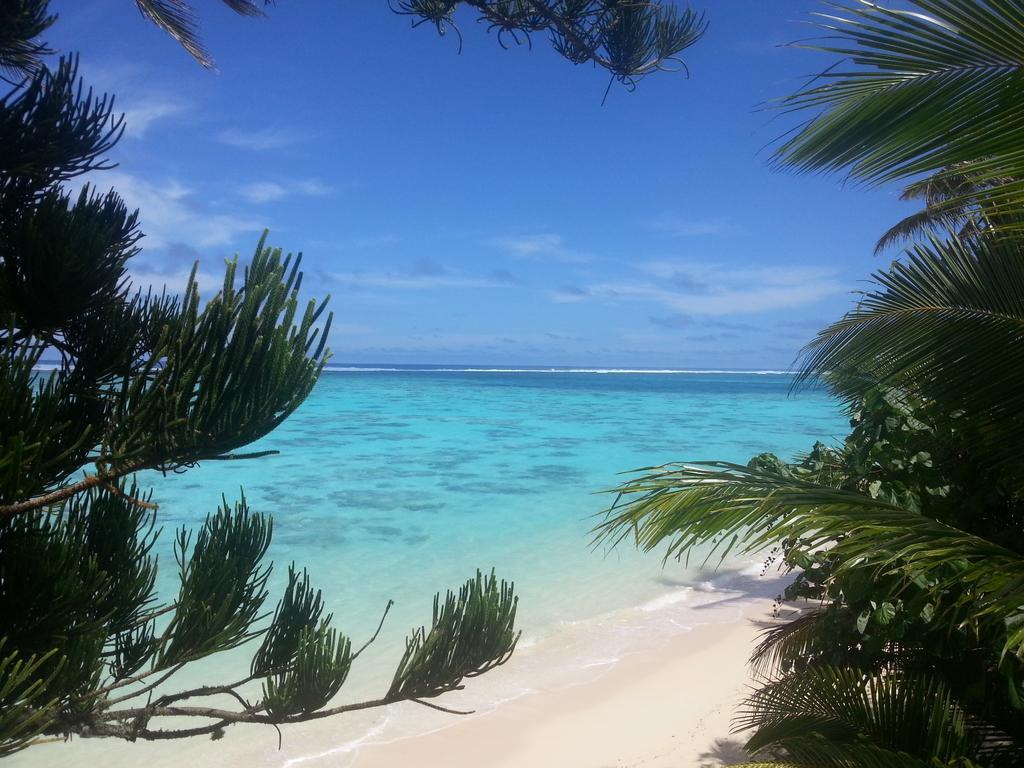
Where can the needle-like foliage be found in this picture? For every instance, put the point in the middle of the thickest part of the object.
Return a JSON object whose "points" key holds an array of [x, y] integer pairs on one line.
{"points": [[471, 633], [629, 39], [147, 380]]}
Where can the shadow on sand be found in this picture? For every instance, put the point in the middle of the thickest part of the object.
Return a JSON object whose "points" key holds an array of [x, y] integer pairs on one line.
{"points": [[724, 752]]}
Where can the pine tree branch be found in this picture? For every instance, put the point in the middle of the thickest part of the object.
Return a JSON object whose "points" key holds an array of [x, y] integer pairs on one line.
{"points": [[152, 686], [66, 492], [143, 714], [106, 480], [569, 33], [112, 487]]}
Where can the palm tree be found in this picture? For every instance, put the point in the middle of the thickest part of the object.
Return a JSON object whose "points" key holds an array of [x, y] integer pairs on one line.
{"points": [[918, 91], [953, 202], [866, 679]]}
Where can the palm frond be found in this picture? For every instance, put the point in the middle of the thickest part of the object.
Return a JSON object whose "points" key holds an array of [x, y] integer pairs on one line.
{"points": [[954, 202], [178, 19], [954, 65], [946, 324], [920, 225], [789, 640], [824, 714], [739, 510]]}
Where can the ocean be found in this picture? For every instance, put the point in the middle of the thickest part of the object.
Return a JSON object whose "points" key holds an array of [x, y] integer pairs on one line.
{"points": [[396, 482]]}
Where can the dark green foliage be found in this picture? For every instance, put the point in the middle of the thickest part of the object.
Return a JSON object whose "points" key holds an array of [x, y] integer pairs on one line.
{"points": [[943, 325], [149, 380], [826, 713], [908, 539], [628, 39], [79, 250], [298, 612], [919, 91], [471, 633], [24, 709], [53, 131], [316, 671], [223, 585], [21, 24], [955, 200]]}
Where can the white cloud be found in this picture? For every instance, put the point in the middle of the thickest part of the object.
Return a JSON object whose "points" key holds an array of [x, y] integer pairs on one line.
{"points": [[680, 226], [171, 212], [140, 115], [542, 246], [712, 290], [141, 94], [262, 140], [311, 187], [173, 281], [269, 191], [414, 280], [262, 192]]}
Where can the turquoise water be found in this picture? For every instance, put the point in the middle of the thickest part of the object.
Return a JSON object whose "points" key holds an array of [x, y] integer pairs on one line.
{"points": [[394, 484]]}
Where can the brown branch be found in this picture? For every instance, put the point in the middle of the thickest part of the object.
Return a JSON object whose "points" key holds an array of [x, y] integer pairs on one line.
{"points": [[567, 31], [439, 708], [66, 492], [130, 499], [229, 716], [105, 479], [212, 690], [182, 733], [146, 689], [379, 627]]}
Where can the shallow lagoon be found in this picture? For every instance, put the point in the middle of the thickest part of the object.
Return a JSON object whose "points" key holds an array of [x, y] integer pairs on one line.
{"points": [[397, 483]]}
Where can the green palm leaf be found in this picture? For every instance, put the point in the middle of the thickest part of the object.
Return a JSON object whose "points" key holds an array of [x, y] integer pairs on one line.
{"points": [[956, 67], [739, 510], [177, 18], [947, 325], [822, 711]]}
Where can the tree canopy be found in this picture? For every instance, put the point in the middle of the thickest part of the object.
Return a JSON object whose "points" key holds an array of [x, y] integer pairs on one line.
{"points": [[908, 539]]}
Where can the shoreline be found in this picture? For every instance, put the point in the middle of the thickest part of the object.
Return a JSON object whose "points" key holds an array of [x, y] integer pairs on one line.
{"points": [[653, 685], [667, 707], [665, 702]]}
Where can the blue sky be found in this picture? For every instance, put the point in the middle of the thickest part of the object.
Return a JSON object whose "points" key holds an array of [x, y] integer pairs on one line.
{"points": [[485, 207]]}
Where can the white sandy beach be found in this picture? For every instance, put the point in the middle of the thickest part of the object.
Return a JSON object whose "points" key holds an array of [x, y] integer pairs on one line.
{"points": [[655, 685], [670, 707]]}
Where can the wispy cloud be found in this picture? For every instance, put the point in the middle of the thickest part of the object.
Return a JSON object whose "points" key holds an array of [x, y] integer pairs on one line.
{"points": [[711, 290], [143, 96], [263, 139], [542, 246], [169, 269], [268, 191], [139, 116], [422, 275], [681, 226], [170, 212], [571, 294], [672, 322], [262, 191]]}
